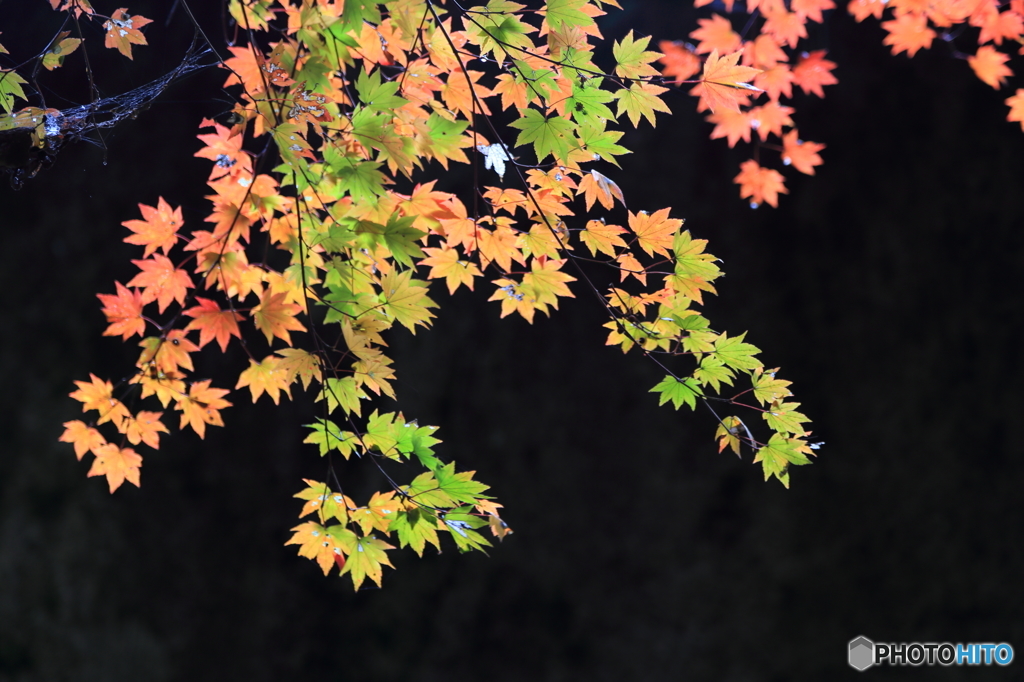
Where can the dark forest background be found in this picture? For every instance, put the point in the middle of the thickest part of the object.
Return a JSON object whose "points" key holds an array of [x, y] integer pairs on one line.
{"points": [[887, 288]]}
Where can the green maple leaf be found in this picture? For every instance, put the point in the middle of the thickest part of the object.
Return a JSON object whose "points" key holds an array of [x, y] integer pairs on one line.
{"points": [[415, 529], [631, 58], [735, 353], [679, 392], [587, 103], [425, 490], [399, 236], [460, 486], [328, 436], [776, 456], [641, 99], [497, 28], [342, 393], [712, 371], [548, 135], [406, 299], [600, 142], [365, 558], [461, 524], [377, 95], [784, 418], [561, 12]]}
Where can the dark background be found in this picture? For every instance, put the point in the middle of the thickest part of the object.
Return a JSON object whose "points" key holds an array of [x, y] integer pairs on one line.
{"points": [[883, 286]]}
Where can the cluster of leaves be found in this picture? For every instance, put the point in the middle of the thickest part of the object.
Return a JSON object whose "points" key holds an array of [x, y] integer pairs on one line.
{"points": [[769, 54], [770, 46], [915, 25], [350, 105]]}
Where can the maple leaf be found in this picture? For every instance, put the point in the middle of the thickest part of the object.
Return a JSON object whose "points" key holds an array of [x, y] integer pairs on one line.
{"points": [[729, 433], [158, 228], [145, 427], [365, 557], [266, 375], [786, 27], [445, 262], [679, 391], [990, 66], [1016, 104], [274, 317], [997, 26], [546, 282], [778, 454], [679, 60], [716, 35], [123, 32], [814, 71], [99, 395], [415, 528], [10, 87], [84, 438], [763, 52], [117, 464], [514, 299], [629, 265], [760, 184], [596, 186], [812, 9], [161, 281], [300, 364], [601, 237], [201, 406], [549, 135], [632, 60], [862, 9], [731, 124], [169, 352], [124, 312], [315, 543], [736, 353], [801, 154], [406, 299], [724, 83], [327, 504], [768, 388], [224, 148], [770, 118], [908, 33], [213, 323], [378, 513], [776, 81], [654, 231], [641, 99]]}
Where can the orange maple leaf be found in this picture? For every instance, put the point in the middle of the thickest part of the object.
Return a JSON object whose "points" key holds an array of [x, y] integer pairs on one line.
{"points": [[145, 427], [629, 265], [730, 124], [716, 35], [997, 26], [596, 186], [812, 9], [770, 118], [224, 148], [990, 66], [202, 406], [123, 32], [814, 71], [1016, 104], [117, 464], [725, 84], [315, 543], [760, 184], [99, 395], [786, 27], [601, 237], [800, 154], [862, 9], [161, 281], [84, 438], [158, 228], [908, 33], [445, 262], [124, 312], [267, 375], [654, 231], [763, 52], [213, 323], [776, 81], [679, 60], [168, 353], [274, 317]]}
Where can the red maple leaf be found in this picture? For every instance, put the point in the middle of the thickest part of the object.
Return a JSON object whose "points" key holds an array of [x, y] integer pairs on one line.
{"points": [[213, 323]]}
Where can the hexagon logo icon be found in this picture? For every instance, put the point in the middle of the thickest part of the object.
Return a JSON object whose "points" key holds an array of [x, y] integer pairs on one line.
{"points": [[862, 653]]}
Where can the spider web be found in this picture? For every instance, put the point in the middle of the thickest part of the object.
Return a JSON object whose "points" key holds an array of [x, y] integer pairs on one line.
{"points": [[76, 123]]}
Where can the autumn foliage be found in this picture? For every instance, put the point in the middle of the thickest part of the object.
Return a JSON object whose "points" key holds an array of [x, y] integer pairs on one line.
{"points": [[779, 54], [345, 113]]}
